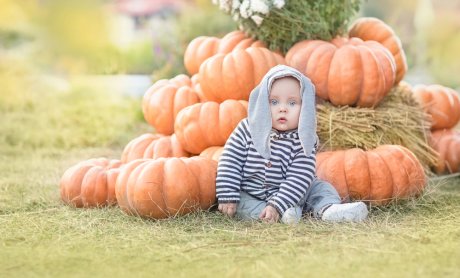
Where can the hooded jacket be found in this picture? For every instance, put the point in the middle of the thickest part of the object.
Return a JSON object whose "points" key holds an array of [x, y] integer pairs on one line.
{"points": [[277, 167]]}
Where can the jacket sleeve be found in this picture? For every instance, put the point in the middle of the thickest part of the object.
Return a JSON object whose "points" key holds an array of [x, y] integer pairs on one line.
{"points": [[299, 177], [230, 167]]}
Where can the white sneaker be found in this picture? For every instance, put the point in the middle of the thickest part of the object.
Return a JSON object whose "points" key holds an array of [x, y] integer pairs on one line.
{"points": [[292, 216], [354, 212]]}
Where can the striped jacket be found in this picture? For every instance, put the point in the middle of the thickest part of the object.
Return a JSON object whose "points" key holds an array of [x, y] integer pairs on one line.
{"points": [[282, 181]]}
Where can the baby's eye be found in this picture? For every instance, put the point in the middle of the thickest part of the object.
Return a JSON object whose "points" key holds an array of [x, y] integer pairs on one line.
{"points": [[292, 102], [273, 102]]}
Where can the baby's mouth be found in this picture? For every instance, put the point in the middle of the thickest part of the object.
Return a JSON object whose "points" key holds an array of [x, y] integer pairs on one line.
{"points": [[282, 120]]}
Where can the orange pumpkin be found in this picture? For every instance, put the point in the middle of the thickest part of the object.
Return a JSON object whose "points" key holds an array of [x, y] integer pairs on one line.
{"points": [[345, 71], [153, 146], [203, 125], [90, 183], [447, 144], [371, 28], [442, 103], [235, 75], [165, 187], [389, 172], [202, 48], [164, 99], [237, 40], [197, 87], [213, 153], [198, 50]]}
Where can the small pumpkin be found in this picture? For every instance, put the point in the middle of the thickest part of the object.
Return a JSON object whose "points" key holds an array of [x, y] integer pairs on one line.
{"points": [[203, 125], [165, 187], [447, 143], [371, 28], [198, 50], [213, 153], [345, 71], [235, 75], [388, 172], [237, 40], [90, 183], [164, 99], [153, 146], [442, 103], [203, 47]]}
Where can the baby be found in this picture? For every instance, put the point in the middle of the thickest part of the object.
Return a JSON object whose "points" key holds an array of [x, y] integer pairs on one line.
{"points": [[267, 168]]}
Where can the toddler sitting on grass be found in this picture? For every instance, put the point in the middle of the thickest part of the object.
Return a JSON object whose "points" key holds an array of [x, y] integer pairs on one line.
{"points": [[267, 168]]}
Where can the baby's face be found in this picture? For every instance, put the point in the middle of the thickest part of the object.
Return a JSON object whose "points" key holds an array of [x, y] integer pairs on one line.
{"points": [[285, 103]]}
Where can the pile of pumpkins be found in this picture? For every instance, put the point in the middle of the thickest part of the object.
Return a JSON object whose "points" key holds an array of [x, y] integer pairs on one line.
{"points": [[173, 172]]}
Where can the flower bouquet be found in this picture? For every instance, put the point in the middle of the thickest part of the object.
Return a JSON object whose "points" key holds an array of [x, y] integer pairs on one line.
{"points": [[281, 23]]}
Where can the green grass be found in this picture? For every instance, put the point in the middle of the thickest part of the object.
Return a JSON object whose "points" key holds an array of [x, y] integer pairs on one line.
{"points": [[42, 133]]}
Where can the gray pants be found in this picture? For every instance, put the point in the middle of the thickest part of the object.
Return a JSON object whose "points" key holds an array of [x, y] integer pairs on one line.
{"points": [[319, 195]]}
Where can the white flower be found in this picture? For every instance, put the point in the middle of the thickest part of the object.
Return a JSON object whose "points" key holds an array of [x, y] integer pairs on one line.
{"points": [[244, 9], [225, 5], [278, 3], [235, 5], [215, 2], [257, 19], [236, 16], [259, 6]]}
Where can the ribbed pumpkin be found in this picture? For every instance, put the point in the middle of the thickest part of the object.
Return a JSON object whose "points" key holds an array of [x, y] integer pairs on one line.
{"points": [[201, 48], [153, 146], [237, 40], [345, 71], [213, 153], [371, 28], [164, 99], [203, 125], [165, 187], [90, 183], [447, 144], [198, 50], [388, 172], [442, 103], [235, 75]]}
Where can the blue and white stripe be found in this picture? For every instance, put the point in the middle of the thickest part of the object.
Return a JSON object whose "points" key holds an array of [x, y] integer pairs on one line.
{"points": [[282, 180]]}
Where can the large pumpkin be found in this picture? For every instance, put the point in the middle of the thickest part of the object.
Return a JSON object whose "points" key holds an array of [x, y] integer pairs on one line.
{"points": [[153, 146], [235, 75], [371, 28], [203, 125], [201, 48], [442, 103], [389, 172], [165, 187], [213, 153], [90, 183], [164, 99], [345, 71], [447, 144]]}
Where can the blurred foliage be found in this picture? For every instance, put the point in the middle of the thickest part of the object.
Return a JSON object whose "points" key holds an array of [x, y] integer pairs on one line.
{"points": [[203, 21], [443, 49], [171, 41]]}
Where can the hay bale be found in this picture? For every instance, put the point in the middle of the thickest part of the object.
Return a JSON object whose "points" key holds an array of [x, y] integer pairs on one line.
{"points": [[399, 119]]}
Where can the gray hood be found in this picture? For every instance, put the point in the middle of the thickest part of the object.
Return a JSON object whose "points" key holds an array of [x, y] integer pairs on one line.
{"points": [[259, 114]]}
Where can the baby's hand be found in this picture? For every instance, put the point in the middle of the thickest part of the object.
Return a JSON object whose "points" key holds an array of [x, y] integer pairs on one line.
{"points": [[269, 215], [228, 209]]}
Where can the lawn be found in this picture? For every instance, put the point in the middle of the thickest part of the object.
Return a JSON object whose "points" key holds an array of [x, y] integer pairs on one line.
{"points": [[43, 131]]}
